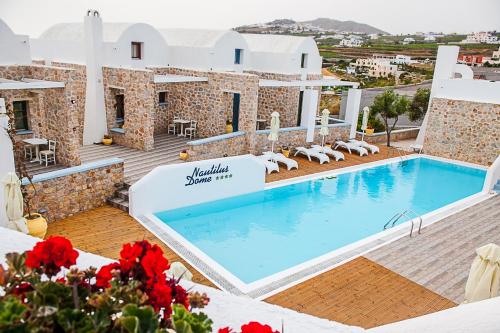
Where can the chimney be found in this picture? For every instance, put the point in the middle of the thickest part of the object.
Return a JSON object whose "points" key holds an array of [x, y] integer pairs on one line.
{"points": [[95, 125]]}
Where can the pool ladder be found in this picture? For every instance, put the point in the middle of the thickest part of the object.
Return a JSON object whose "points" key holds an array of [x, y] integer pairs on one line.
{"points": [[391, 152], [407, 213]]}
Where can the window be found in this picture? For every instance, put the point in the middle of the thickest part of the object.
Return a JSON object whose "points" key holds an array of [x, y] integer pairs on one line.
{"points": [[120, 108], [303, 60], [21, 115], [162, 97], [136, 50], [238, 56]]}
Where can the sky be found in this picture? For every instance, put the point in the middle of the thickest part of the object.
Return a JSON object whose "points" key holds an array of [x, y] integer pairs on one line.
{"points": [[32, 17]]}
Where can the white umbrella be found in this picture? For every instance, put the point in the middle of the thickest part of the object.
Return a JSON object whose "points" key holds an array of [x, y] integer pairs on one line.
{"points": [[364, 123], [14, 202], [324, 125], [484, 275], [275, 126]]}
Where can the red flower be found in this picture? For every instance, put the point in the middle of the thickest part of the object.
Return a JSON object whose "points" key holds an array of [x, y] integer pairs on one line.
{"points": [[21, 290], [52, 254], [129, 255], [255, 327], [104, 275], [160, 297], [225, 330], [154, 263], [180, 296]]}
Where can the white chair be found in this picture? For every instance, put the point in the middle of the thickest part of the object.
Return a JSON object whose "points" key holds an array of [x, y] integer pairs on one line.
{"points": [[30, 150], [49, 155], [322, 158], [191, 129], [280, 158], [374, 149], [270, 165], [351, 146], [337, 155], [172, 128]]}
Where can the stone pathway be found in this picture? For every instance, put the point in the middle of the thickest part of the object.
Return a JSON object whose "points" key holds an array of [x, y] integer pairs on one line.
{"points": [[440, 258]]}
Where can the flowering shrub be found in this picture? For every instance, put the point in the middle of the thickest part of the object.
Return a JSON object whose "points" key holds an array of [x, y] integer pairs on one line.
{"points": [[131, 295]]}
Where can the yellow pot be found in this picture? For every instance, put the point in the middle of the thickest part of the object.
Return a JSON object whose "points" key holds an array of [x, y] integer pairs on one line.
{"points": [[37, 225], [229, 128], [369, 131], [286, 152], [329, 145], [183, 156], [107, 142]]}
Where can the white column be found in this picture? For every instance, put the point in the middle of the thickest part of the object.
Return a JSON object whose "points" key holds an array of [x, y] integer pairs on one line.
{"points": [[7, 155], [446, 60], [95, 126], [309, 108], [352, 110]]}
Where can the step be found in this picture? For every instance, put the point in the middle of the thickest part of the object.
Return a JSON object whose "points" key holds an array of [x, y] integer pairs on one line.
{"points": [[122, 194], [118, 203], [125, 152]]}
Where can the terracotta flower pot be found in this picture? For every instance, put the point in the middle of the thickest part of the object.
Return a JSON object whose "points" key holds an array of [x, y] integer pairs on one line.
{"points": [[37, 225], [183, 156]]}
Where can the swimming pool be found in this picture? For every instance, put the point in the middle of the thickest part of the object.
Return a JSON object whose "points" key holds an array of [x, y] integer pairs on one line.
{"points": [[260, 234]]}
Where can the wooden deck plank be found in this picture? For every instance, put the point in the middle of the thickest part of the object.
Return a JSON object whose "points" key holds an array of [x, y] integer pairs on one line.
{"points": [[361, 293]]}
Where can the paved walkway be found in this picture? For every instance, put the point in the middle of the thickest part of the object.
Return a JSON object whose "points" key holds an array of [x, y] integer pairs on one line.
{"points": [[440, 258]]}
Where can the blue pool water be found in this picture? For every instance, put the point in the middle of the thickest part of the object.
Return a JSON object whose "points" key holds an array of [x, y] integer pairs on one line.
{"points": [[259, 234]]}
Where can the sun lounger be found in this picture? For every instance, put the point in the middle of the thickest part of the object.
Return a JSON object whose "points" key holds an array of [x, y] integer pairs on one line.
{"points": [[270, 165], [374, 149], [417, 148], [280, 158], [351, 146], [312, 153], [337, 155]]}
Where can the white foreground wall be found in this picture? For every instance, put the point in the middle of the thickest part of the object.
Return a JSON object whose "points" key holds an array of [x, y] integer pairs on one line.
{"points": [[224, 309], [179, 185], [14, 49], [7, 158]]}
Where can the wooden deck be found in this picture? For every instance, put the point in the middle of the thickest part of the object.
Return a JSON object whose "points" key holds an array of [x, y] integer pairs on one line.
{"points": [[307, 168], [361, 293], [104, 230]]}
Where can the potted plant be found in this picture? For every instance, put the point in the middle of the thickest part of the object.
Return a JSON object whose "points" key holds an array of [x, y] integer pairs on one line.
{"points": [[183, 155], [369, 131], [328, 144], [107, 140], [35, 222], [229, 126], [285, 151]]}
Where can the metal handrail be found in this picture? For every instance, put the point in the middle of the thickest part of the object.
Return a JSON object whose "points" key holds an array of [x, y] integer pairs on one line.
{"points": [[393, 220]]}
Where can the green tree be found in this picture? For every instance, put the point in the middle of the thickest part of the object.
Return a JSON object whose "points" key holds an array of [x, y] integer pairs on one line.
{"points": [[390, 106], [419, 104]]}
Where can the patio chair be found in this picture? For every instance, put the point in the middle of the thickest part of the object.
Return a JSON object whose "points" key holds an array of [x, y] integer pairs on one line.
{"points": [[29, 150], [337, 155], [351, 146], [172, 127], [374, 149], [280, 158], [270, 165], [49, 155], [191, 129], [309, 152]]}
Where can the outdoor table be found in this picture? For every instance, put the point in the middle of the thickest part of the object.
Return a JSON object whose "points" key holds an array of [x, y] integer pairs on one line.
{"points": [[36, 142], [182, 122]]}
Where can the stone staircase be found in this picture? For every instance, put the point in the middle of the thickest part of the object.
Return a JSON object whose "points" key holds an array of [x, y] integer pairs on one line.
{"points": [[136, 163]]}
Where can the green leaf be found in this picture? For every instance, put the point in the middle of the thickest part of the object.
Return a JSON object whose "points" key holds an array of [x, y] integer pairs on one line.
{"points": [[11, 311], [188, 322], [130, 323], [146, 317], [72, 320]]}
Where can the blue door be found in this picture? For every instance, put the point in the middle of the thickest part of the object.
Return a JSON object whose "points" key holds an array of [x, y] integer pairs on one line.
{"points": [[236, 111]]}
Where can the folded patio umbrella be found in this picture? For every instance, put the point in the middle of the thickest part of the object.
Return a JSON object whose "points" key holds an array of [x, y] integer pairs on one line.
{"points": [[484, 276], [324, 125], [177, 269], [275, 126], [14, 202]]}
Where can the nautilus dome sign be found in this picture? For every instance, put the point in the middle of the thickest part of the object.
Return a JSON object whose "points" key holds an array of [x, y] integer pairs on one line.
{"points": [[185, 184]]}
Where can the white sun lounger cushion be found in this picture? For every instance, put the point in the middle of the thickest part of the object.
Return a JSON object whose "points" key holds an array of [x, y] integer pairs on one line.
{"points": [[270, 165], [280, 158], [351, 146], [338, 155], [374, 149], [312, 153]]}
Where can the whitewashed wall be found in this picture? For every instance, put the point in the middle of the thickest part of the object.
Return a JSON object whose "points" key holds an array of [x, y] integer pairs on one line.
{"points": [[14, 49], [7, 158]]}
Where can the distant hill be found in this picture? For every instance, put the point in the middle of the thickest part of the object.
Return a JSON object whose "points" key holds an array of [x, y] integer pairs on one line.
{"points": [[289, 25], [351, 26]]}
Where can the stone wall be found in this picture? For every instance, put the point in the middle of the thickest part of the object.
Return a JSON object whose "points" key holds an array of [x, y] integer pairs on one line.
{"points": [[137, 86], [207, 102], [55, 113], [225, 145], [296, 137], [76, 192], [396, 135], [463, 130]]}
